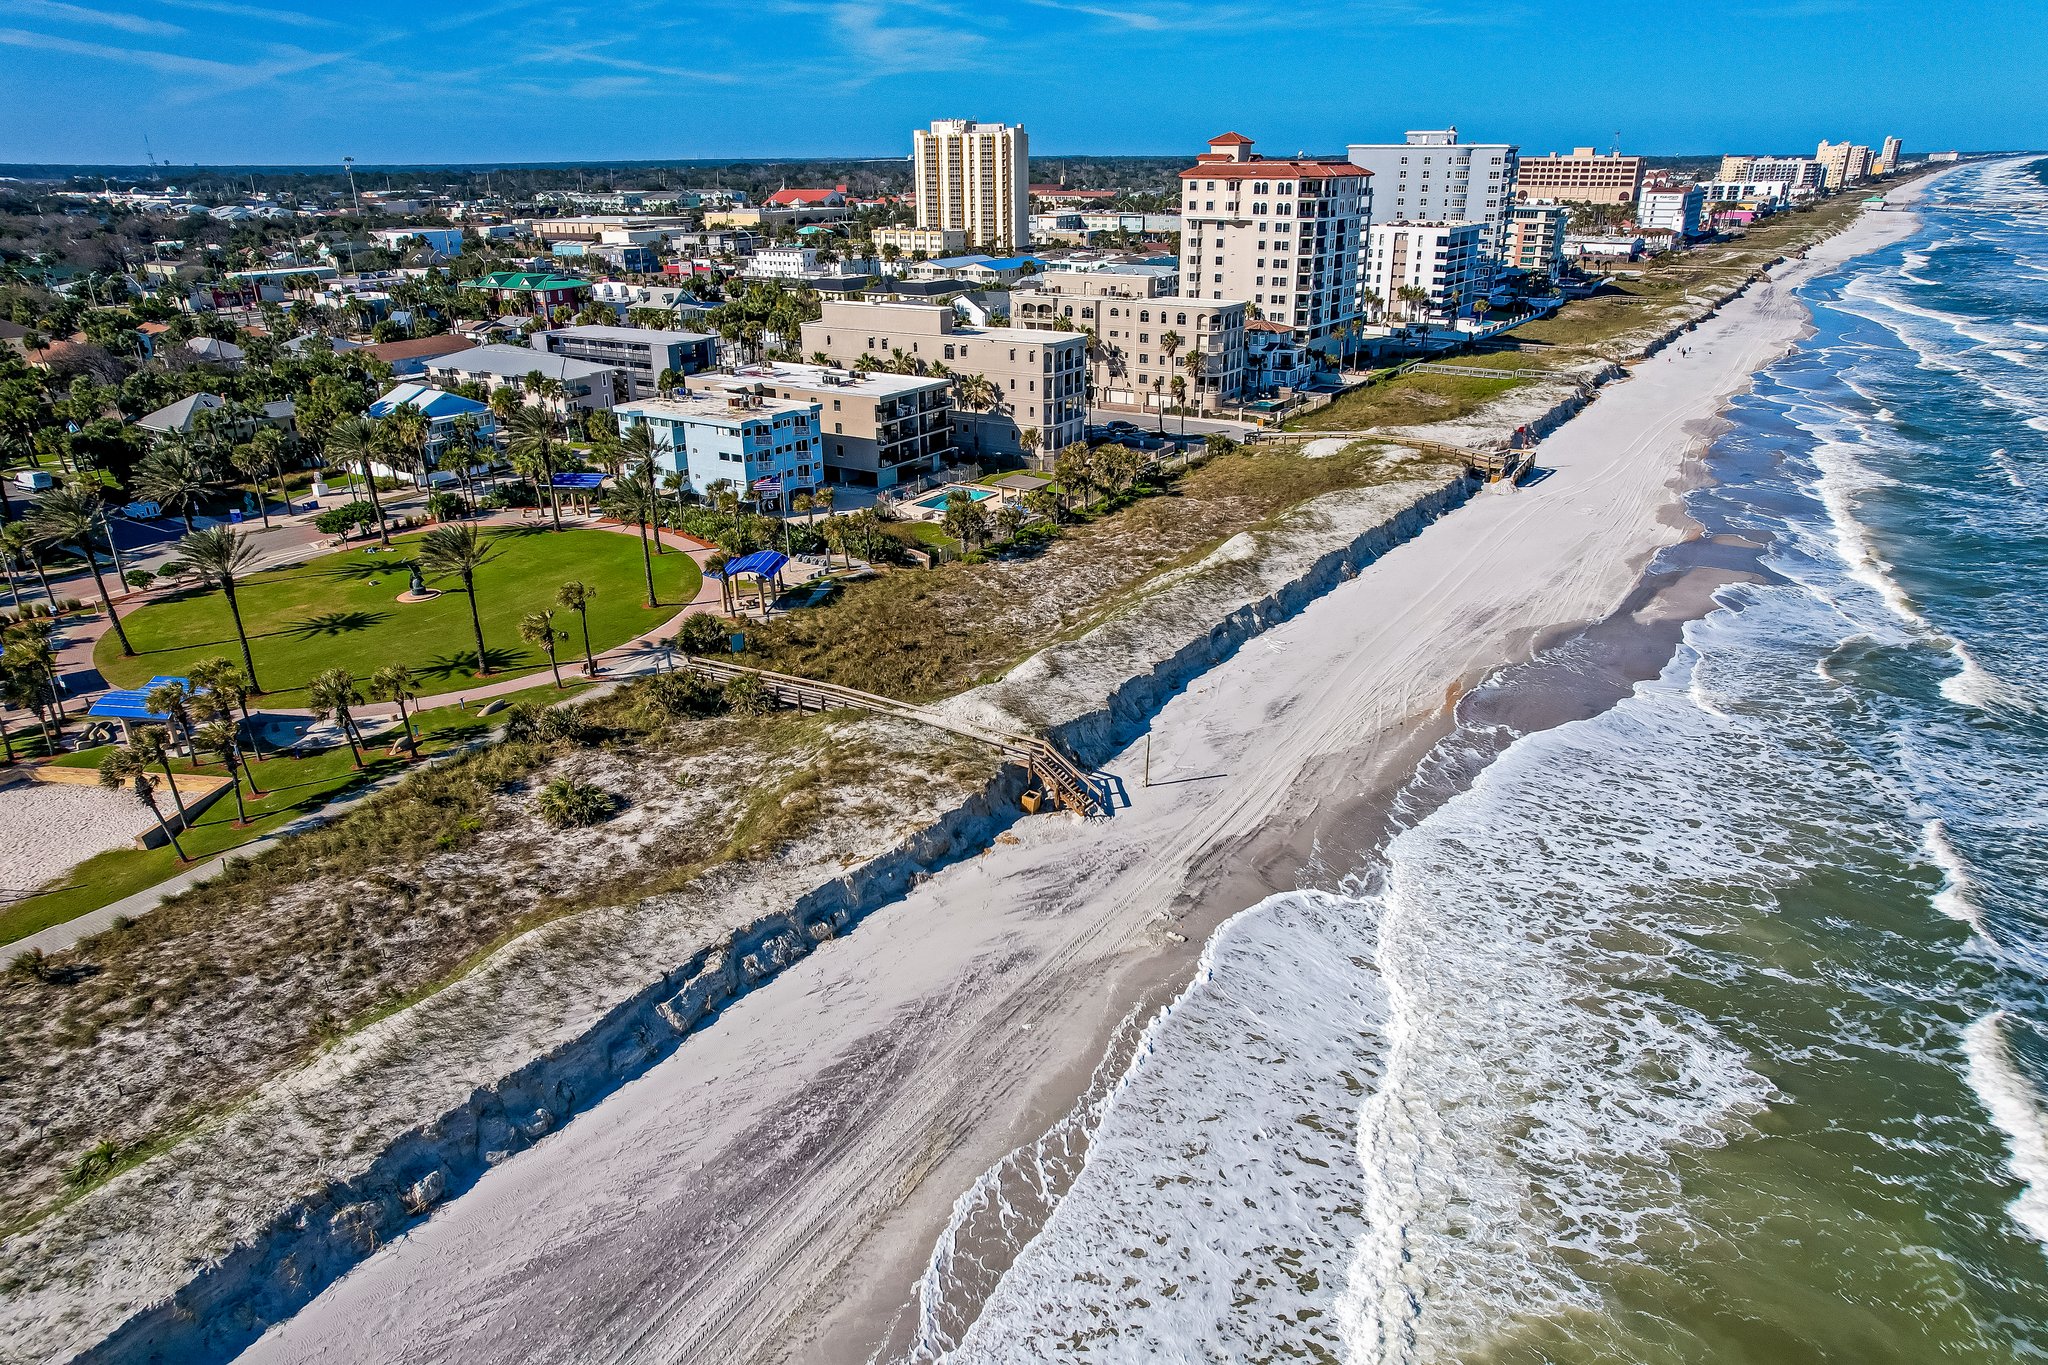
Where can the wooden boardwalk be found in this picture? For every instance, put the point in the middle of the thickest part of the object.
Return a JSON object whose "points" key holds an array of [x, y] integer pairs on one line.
{"points": [[1060, 776]]}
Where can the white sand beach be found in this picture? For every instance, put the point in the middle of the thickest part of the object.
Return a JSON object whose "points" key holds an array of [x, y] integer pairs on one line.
{"points": [[773, 1189], [45, 829]]}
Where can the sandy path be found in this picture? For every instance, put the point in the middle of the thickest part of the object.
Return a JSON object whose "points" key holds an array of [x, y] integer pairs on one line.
{"points": [[771, 1191]]}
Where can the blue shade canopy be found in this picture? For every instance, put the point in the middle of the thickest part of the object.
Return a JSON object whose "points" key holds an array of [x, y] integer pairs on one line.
{"points": [[760, 564], [127, 704], [577, 480]]}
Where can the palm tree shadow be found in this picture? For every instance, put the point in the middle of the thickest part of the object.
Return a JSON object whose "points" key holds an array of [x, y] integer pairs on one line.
{"points": [[462, 664], [333, 623], [363, 573]]}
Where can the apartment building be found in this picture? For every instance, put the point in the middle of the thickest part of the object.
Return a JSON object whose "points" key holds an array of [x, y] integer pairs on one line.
{"points": [[1434, 178], [1802, 176], [731, 440], [801, 263], [584, 385], [974, 178], [1535, 240], [595, 227], [928, 241], [639, 353], [1584, 177], [1144, 336], [1771, 196], [1283, 234], [1678, 209], [1888, 157], [1414, 269], [875, 429], [1038, 378], [1843, 163]]}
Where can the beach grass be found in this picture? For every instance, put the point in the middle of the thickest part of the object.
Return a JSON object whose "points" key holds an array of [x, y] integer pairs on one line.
{"points": [[341, 611]]}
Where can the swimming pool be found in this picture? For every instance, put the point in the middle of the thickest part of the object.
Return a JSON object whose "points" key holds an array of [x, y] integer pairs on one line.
{"points": [[937, 501]]}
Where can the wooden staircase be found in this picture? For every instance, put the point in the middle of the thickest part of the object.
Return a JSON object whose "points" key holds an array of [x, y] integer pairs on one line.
{"points": [[1061, 777]]}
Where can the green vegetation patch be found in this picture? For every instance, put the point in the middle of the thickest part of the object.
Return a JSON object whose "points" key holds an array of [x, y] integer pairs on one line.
{"points": [[342, 611]]}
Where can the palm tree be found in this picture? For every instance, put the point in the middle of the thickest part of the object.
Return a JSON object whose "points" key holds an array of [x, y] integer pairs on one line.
{"points": [[533, 451], [1029, 439], [221, 555], [410, 431], [127, 768], [173, 477], [256, 461], [632, 499], [1196, 365], [576, 596], [18, 546], [393, 682], [225, 688], [219, 737], [465, 429], [71, 515], [355, 438], [538, 628], [460, 551], [714, 565], [153, 746], [638, 445], [333, 694], [1169, 343]]}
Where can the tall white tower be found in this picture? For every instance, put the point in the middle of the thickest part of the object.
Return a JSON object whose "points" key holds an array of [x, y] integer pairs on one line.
{"points": [[975, 177]]}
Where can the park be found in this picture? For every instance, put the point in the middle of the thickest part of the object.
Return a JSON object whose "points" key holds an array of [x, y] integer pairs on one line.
{"points": [[345, 609]]}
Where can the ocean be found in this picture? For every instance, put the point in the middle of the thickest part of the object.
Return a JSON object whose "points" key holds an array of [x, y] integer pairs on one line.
{"points": [[1710, 1028]]}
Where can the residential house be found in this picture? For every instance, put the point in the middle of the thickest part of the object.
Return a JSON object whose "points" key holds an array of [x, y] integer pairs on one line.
{"points": [[531, 291], [585, 386], [444, 442], [190, 416], [409, 357]]}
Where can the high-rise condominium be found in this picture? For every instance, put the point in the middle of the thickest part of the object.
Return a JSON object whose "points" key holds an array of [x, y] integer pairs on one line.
{"points": [[975, 178], [1434, 178]]}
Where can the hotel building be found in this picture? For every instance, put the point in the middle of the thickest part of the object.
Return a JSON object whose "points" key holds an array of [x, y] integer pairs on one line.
{"points": [[1284, 234], [974, 178], [1843, 163], [1584, 177]]}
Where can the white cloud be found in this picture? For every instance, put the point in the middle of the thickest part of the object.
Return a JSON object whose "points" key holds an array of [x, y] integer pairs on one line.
{"points": [[58, 12]]}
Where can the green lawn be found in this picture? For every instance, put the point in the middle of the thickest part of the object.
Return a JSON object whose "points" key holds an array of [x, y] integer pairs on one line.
{"points": [[291, 788], [1414, 399], [341, 611]]}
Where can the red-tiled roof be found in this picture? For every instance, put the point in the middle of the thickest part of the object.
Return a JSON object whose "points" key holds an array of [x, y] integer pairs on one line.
{"points": [[1258, 168], [801, 196], [1261, 325], [414, 348], [1230, 140]]}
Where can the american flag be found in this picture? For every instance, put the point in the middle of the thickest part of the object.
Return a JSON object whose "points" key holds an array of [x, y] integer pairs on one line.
{"points": [[771, 484]]}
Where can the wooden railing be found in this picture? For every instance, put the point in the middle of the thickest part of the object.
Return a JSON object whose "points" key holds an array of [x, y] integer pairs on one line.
{"points": [[1062, 778]]}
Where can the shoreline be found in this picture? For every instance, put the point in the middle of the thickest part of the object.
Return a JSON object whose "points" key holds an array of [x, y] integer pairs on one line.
{"points": [[827, 1124]]}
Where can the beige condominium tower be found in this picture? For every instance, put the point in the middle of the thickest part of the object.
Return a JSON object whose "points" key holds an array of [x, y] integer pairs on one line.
{"points": [[974, 178]]}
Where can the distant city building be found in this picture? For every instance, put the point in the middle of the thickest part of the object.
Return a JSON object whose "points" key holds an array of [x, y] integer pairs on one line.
{"points": [[1888, 157], [1802, 175], [640, 353], [1678, 210], [1770, 196], [974, 178], [1418, 268], [1608, 248], [801, 263], [1584, 177], [1535, 241], [1037, 378], [931, 241], [1283, 234], [731, 440], [1130, 315], [1943, 158], [875, 430], [1844, 163], [410, 357], [788, 198], [1434, 178]]}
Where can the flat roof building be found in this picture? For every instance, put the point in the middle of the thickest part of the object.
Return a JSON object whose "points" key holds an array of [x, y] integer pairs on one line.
{"points": [[731, 440], [1431, 177], [641, 353], [875, 429], [584, 385], [1037, 380], [1584, 177], [974, 178], [1413, 269], [1144, 337]]}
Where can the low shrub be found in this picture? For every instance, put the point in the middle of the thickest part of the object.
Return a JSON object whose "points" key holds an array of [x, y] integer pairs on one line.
{"points": [[566, 802]]}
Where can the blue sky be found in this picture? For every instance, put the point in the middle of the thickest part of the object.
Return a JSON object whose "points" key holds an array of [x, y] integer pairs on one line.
{"points": [[259, 81]]}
